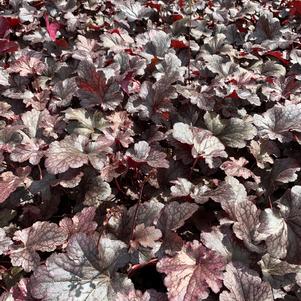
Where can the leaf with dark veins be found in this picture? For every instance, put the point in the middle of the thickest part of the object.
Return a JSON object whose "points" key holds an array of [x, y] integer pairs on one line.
{"points": [[207, 146], [82, 222], [74, 152], [281, 227], [277, 272], [41, 236], [84, 272], [284, 170], [233, 132], [204, 144], [222, 240], [174, 214], [64, 91], [246, 224], [244, 285], [236, 168], [191, 272], [237, 194], [97, 191], [29, 149], [279, 121], [244, 213], [221, 194], [8, 184], [154, 100], [5, 241], [65, 154]]}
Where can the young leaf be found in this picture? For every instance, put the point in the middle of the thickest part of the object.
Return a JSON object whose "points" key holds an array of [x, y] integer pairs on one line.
{"points": [[145, 236], [181, 187], [183, 133], [142, 153], [52, 28], [262, 151], [236, 168], [81, 222]]}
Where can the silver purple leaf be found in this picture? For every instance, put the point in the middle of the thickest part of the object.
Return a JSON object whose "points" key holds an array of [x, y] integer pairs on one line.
{"points": [[191, 272], [244, 284], [85, 272], [41, 236], [278, 122], [281, 227]]}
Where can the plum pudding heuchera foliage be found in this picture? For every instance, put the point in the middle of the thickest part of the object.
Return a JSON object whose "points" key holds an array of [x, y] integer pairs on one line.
{"points": [[149, 150]]}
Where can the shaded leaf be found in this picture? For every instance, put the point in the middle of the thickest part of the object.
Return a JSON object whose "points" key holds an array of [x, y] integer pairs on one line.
{"points": [[142, 153], [97, 191], [277, 272], [234, 132], [172, 217]]}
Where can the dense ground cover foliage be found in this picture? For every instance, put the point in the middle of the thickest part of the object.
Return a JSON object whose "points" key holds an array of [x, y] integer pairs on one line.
{"points": [[150, 150]]}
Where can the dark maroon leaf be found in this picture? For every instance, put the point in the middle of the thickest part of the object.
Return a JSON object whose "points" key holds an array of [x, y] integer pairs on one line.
{"points": [[94, 89]]}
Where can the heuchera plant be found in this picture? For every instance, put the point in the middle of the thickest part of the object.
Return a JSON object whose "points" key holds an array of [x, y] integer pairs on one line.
{"points": [[150, 150]]}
